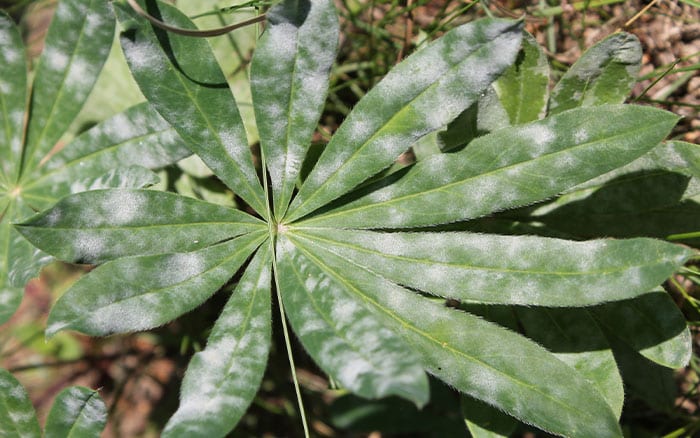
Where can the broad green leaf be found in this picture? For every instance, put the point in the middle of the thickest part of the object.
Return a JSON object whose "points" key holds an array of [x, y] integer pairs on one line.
{"points": [[290, 71], [523, 90], [17, 417], [477, 357], [222, 380], [420, 95], [13, 98], [77, 412], [138, 293], [181, 78], [507, 168], [137, 136], [652, 325], [484, 421], [605, 73], [345, 339], [497, 269], [100, 225], [575, 338], [76, 47]]}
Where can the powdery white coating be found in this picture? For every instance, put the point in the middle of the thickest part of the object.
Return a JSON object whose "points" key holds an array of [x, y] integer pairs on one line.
{"points": [[540, 136], [123, 207], [6, 297], [55, 59], [183, 266], [88, 246], [8, 53]]}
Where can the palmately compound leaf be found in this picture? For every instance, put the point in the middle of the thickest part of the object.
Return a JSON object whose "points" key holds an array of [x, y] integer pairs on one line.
{"points": [[34, 173], [222, 380], [17, 416], [605, 73], [77, 412], [369, 307]]}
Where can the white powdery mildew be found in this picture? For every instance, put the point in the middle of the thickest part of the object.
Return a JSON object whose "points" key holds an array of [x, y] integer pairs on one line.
{"points": [[80, 76], [87, 246], [540, 137], [182, 266], [237, 149], [55, 59], [93, 24], [6, 297], [283, 42], [123, 207], [7, 53]]}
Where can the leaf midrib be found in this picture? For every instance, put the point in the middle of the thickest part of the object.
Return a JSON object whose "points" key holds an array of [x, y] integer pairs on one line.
{"points": [[429, 191], [313, 237], [431, 338]]}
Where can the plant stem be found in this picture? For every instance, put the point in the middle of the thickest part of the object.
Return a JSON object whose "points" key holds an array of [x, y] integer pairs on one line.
{"points": [[288, 346]]}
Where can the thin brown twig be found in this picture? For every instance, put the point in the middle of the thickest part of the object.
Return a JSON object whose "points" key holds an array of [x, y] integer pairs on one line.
{"points": [[193, 32]]}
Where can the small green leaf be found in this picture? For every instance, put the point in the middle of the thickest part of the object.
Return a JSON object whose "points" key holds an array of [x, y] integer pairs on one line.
{"points": [[507, 168], [497, 269], [17, 416], [76, 48], [344, 338], [13, 97], [138, 293], [605, 73], [100, 225], [476, 357], [77, 412], [222, 380], [484, 421], [183, 81], [420, 95], [290, 71], [523, 89], [652, 325], [575, 338]]}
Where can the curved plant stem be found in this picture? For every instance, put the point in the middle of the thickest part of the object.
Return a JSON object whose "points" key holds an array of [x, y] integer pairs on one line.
{"points": [[193, 32]]}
